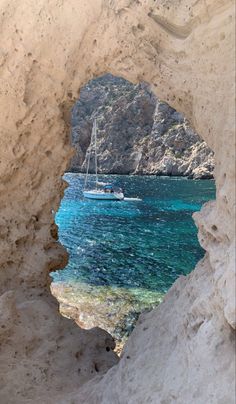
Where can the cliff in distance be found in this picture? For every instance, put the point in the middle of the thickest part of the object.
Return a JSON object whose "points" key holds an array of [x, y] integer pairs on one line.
{"points": [[137, 133]]}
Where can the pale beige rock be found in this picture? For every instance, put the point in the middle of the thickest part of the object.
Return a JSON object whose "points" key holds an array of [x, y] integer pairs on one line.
{"points": [[48, 50]]}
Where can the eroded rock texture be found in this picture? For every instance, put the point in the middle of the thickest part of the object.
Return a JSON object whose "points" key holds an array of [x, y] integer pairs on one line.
{"points": [[183, 351], [136, 133]]}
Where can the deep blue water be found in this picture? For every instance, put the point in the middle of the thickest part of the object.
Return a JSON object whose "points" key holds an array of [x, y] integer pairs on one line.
{"points": [[132, 246]]}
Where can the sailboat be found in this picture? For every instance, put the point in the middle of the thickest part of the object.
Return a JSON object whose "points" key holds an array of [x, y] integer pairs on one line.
{"points": [[101, 190]]}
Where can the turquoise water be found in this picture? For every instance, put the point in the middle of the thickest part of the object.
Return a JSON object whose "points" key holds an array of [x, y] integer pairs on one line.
{"points": [[127, 254]]}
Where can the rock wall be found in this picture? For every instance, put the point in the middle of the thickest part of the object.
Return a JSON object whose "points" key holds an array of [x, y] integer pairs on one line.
{"points": [[136, 133], [183, 351]]}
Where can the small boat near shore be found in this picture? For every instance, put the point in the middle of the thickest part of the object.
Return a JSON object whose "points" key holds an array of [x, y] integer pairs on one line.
{"points": [[103, 195], [101, 191]]}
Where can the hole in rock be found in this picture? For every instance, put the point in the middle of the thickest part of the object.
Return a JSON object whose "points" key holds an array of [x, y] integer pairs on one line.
{"points": [[125, 255]]}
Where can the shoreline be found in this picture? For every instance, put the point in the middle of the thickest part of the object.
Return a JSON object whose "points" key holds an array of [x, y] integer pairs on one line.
{"points": [[144, 175], [114, 310]]}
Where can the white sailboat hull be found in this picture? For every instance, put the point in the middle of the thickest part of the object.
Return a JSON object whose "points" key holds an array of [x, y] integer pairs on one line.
{"points": [[101, 195]]}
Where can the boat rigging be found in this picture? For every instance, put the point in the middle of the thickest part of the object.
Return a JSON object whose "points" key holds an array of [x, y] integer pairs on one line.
{"points": [[101, 190]]}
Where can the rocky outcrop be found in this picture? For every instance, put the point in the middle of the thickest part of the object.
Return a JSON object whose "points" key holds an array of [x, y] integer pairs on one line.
{"points": [[137, 133], [183, 352], [184, 343]]}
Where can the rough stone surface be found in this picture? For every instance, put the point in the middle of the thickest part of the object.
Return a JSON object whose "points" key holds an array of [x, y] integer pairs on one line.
{"points": [[171, 338], [49, 50], [136, 133]]}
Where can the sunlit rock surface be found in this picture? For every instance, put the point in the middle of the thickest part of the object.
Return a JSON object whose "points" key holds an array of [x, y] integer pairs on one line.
{"points": [[185, 49], [113, 309], [136, 133]]}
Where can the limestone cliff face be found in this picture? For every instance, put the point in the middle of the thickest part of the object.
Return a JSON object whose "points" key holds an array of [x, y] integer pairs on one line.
{"points": [[182, 352], [137, 133]]}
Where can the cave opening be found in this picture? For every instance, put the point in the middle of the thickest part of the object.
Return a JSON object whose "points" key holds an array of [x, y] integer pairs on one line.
{"points": [[48, 51], [124, 256]]}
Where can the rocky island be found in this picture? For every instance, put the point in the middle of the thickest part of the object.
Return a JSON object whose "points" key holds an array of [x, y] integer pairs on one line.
{"points": [[137, 132]]}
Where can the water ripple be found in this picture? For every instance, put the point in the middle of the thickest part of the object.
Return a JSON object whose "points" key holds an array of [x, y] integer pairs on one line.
{"points": [[117, 248]]}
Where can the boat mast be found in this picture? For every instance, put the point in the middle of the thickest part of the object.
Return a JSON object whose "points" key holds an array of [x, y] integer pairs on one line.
{"points": [[95, 146], [89, 155], [90, 148]]}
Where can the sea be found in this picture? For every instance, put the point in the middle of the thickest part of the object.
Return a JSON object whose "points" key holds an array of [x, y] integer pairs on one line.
{"points": [[125, 255]]}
